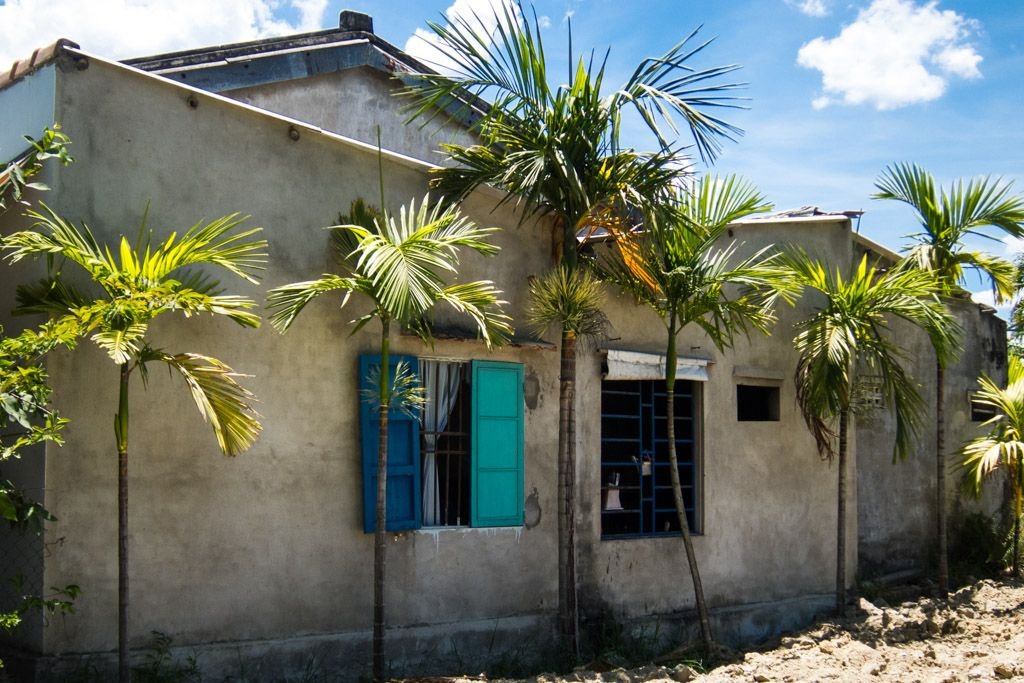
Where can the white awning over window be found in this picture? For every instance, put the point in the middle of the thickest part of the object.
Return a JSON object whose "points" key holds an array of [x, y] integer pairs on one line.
{"points": [[634, 365]]}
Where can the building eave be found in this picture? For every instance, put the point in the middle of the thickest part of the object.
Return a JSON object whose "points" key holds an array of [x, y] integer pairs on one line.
{"points": [[40, 58]]}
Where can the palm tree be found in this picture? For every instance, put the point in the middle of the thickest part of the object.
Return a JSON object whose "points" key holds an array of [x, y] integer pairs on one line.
{"points": [[946, 218], [572, 301], [556, 148], [1003, 447], [848, 338], [675, 267], [399, 266], [139, 285]]}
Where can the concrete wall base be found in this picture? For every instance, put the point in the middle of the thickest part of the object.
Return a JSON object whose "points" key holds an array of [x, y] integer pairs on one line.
{"points": [[734, 626], [423, 650]]}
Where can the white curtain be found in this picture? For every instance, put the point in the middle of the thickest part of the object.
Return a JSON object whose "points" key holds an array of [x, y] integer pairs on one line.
{"points": [[441, 382]]}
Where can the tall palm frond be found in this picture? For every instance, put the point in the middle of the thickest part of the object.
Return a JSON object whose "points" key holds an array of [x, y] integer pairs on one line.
{"points": [[507, 67], [572, 301], [1002, 449], [1005, 441], [556, 148], [673, 264], [849, 335], [400, 264], [948, 216], [138, 284], [221, 400]]}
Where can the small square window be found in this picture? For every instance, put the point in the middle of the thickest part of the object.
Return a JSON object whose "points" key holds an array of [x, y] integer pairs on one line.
{"points": [[980, 412], [757, 403]]}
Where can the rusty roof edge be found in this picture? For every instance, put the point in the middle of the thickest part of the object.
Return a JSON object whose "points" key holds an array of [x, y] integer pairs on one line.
{"points": [[40, 58]]}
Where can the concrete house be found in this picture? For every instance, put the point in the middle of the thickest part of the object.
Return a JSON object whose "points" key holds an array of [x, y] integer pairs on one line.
{"points": [[264, 558]]}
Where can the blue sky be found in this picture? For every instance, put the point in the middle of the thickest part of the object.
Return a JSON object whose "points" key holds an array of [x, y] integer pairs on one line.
{"points": [[838, 88]]}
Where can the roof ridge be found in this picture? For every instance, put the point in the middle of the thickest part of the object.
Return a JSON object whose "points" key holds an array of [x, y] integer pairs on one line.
{"points": [[40, 58]]}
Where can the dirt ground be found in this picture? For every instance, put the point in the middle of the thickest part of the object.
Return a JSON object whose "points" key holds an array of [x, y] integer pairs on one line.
{"points": [[978, 635]]}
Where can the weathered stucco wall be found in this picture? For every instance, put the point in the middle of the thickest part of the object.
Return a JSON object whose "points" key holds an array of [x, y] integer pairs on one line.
{"points": [[268, 545], [897, 511], [353, 103], [769, 503], [264, 554]]}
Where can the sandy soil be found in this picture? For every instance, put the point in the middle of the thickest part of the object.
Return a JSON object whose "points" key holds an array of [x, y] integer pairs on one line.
{"points": [[977, 635]]}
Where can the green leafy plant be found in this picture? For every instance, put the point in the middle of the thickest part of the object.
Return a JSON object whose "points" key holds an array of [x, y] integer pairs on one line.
{"points": [[159, 667], [26, 416], [675, 266], [556, 149], [399, 264], [1002, 449], [131, 290], [847, 337], [17, 177], [946, 218]]}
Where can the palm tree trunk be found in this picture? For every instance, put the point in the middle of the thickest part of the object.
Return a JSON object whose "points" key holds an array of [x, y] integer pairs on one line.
{"points": [[379, 533], [1017, 511], [121, 434], [677, 490], [568, 616], [940, 478], [841, 519]]}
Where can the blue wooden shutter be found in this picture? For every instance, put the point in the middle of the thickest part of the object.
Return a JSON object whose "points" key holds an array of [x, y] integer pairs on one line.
{"points": [[404, 491], [497, 444]]}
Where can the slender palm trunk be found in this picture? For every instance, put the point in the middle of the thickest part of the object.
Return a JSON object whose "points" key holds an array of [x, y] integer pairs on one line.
{"points": [[841, 518], [121, 434], [677, 490], [1017, 511], [379, 533], [940, 479], [568, 615]]}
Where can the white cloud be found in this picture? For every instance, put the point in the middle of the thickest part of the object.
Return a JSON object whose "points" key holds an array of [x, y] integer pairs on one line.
{"points": [[1014, 246], [895, 54], [812, 8], [481, 15], [544, 21], [135, 28], [1004, 309], [960, 61]]}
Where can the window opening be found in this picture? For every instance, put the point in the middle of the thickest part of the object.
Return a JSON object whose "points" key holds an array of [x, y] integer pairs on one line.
{"points": [[757, 403], [636, 484], [445, 445], [980, 412], [457, 460]]}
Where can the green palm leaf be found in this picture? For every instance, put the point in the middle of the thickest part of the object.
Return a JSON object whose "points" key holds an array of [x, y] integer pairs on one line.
{"points": [[849, 336], [948, 216], [221, 400], [286, 302], [401, 265]]}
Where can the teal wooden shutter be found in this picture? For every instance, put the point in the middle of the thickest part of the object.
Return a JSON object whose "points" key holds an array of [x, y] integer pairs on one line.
{"points": [[404, 489], [497, 444]]}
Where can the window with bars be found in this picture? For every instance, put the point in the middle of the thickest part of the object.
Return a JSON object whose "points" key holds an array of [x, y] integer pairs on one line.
{"points": [[445, 442], [636, 484]]}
